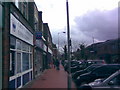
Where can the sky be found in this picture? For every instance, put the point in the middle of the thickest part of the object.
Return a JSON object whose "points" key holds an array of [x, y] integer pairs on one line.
{"points": [[88, 19]]}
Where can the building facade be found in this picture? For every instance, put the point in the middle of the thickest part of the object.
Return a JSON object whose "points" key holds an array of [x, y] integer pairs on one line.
{"points": [[48, 39], [108, 50], [38, 50], [25, 44], [18, 45]]}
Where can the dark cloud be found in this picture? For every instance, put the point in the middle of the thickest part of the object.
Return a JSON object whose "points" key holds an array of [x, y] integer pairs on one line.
{"points": [[102, 25]]}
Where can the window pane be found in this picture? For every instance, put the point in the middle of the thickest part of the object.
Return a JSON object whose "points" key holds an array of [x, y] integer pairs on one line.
{"points": [[12, 63], [12, 42], [30, 60], [25, 61], [19, 44], [18, 62], [30, 49], [25, 47]]}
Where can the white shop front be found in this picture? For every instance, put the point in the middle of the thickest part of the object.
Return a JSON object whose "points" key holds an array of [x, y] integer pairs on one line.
{"points": [[21, 54]]}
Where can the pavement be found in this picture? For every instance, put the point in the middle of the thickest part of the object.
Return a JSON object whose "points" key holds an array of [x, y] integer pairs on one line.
{"points": [[51, 78]]}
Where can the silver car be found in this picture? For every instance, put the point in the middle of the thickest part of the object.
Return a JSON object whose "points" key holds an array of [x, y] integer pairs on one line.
{"points": [[110, 83]]}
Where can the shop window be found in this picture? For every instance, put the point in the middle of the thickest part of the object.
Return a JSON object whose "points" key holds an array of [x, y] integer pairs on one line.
{"points": [[12, 63], [25, 47], [25, 78], [30, 49], [18, 62], [18, 44], [25, 61], [12, 42], [18, 81], [30, 60]]}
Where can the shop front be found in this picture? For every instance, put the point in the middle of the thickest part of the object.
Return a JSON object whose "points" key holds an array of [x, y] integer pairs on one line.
{"points": [[38, 54], [21, 54]]}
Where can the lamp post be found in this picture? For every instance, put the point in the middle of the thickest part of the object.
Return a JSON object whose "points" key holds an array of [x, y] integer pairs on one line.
{"points": [[69, 44], [58, 43]]}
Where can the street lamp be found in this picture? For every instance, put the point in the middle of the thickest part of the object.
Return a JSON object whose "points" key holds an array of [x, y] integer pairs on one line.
{"points": [[58, 43], [69, 44]]}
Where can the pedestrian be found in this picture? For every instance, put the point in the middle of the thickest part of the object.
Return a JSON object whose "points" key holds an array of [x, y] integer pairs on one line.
{"points": [[57, 64]]}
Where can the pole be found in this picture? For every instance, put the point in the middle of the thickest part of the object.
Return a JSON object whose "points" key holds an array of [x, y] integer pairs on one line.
{"points": [[68, 40]]}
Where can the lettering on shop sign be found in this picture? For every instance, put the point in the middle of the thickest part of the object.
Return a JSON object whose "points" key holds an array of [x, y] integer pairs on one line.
{"points": [[19, 30]]}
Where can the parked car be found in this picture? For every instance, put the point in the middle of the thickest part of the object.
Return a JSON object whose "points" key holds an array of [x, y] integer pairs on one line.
{"points": [[73, 64], [86, 70], [111, 83], [76, 68], [96, 61], [103, 71], [80, 66]]}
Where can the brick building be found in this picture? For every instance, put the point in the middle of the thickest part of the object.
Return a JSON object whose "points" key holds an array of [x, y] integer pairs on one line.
{"points": [[24, 54], [18, 45], [108, 50]]}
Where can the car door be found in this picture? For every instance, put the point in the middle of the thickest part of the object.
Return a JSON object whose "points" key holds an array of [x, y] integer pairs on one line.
{"points": [[99, 72], [114, 83]]}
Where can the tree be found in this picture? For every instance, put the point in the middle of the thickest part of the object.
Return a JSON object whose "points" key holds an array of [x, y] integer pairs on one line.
{"points": [[82, 51]]}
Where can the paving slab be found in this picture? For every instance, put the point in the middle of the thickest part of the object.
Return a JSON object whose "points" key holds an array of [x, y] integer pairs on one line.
{"points": [[52, 78]]}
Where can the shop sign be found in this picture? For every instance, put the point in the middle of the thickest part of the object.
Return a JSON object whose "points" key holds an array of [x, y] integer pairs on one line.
{"points": [[19, 30], [38, 35]]}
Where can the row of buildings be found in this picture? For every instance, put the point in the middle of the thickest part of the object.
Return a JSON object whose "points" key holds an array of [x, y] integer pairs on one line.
{"points": [[26, 46], [108, 51]]}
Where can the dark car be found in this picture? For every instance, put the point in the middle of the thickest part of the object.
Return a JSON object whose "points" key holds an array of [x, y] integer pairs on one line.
{"points": [[100, 72], [88, 69], [111, 83], [73, 64], [76, 68], [80, 66]]}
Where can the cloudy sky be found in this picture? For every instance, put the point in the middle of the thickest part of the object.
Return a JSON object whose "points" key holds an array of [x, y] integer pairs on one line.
{"points": [[88, 19]]}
